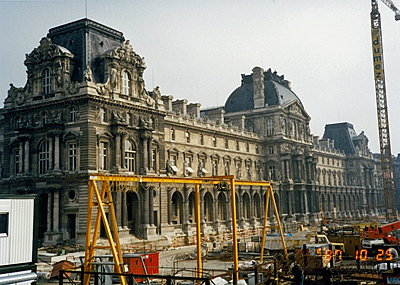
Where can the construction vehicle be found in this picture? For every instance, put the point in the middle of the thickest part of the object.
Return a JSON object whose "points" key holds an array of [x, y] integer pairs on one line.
{"points": [[383, 232], [381, 102], [320, 243]]}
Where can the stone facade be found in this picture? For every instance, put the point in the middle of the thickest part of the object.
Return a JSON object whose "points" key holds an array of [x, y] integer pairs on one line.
{"points": [[85, 109]]}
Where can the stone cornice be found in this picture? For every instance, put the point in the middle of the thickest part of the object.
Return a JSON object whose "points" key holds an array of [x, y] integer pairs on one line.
{"points": [[88, 25]]}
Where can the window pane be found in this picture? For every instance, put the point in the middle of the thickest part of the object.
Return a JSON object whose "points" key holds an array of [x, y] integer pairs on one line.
{"points": [[4, 223]]}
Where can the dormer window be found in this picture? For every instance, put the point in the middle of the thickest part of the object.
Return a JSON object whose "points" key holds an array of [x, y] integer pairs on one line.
{"points": [[46, 81], [126, 89]]}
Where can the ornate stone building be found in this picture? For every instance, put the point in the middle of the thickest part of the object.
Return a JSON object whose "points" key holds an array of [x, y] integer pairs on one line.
{"points": [[85, 109]]}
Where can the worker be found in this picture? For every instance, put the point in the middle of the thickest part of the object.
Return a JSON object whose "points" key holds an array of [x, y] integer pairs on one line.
{"points": [[297, 273]]}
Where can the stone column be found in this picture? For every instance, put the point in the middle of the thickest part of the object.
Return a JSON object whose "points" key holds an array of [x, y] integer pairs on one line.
{"points": [[151, 205], [124, 209], [51, 142], [56, 216], [145, 213], [21, 151], [49, 211], [117, 151], [26, 157], [123, 135], [56, 152], [145, 154]]}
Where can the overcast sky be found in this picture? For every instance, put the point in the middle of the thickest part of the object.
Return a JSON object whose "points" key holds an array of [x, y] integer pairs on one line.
{"points": [[198, 49]]}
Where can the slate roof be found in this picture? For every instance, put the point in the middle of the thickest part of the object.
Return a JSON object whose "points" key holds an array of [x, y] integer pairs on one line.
{"points": [[276, 92]]}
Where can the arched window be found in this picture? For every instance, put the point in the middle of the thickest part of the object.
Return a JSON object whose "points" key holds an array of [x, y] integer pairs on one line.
{"points": [[130, 156], [126, 83], [46, 81], [44, 157], [214, 140]]}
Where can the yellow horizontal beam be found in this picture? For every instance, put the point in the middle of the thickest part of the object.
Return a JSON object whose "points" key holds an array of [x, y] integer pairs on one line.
{"points": [[176, 180]]}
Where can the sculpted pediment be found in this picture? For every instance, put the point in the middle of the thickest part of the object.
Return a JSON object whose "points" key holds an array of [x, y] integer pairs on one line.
{"points": [[126, 53], [295, 108], [45, 51]]}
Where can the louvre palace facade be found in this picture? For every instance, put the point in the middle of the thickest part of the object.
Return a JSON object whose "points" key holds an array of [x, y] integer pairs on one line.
{"points": [[85, 109]]}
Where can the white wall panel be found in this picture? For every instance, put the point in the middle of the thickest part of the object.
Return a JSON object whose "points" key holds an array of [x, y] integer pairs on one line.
{"points": [[17, 246]]}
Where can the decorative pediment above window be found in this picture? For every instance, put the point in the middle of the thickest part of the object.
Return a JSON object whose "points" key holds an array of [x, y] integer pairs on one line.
{"points": [[215, 156], [70, 135], [103, 135], [46, 51]]}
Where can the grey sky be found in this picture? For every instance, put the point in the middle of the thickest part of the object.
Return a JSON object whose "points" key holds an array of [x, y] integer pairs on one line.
{"points": [[197, 49]]}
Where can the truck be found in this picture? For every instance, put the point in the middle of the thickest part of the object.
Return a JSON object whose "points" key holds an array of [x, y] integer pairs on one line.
{"points": [[317, 245], [273, 241]]}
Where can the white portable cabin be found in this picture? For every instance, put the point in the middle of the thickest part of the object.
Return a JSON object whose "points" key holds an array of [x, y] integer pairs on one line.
{"points": [[18, 239]]}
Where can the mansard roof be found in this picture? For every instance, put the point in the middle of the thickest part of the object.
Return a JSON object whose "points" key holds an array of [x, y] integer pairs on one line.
{"points": [[277, 91], [344, 136]]}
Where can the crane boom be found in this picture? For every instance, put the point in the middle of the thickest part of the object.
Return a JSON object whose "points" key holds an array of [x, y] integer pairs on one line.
{"points": [[393, 7], [382, 110]]}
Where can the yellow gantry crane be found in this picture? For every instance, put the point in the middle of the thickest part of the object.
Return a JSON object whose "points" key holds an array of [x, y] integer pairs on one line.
{"points": [[382, 109], [100, 197]]}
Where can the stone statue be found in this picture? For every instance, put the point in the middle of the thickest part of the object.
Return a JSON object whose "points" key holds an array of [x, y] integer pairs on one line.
{"points": [[157, 93], [87, 75]]}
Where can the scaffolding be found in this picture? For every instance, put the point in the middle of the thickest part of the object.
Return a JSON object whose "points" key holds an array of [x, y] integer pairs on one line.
{"points": [[100, 197]]}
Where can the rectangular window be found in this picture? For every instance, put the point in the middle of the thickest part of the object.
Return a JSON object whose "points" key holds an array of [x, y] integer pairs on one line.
{"points": [[272, 172], [172, 159], [154, 159], [103, 155], [16, 161], [271, 149], [130, 119], [72, 156], [4, 217]]}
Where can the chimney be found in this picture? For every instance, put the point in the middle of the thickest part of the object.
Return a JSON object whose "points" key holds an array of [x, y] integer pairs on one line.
{"points": [[167, 99], [216, 115], [194, 108], [179, 106], [258, 87]]}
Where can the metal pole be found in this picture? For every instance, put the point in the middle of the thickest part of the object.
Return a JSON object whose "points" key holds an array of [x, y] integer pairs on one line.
{"points": [[234, 231], [198, 233], [265, 225]]}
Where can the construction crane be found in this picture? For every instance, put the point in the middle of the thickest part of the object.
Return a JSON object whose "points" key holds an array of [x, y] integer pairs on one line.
{"points": [[382, 110]]}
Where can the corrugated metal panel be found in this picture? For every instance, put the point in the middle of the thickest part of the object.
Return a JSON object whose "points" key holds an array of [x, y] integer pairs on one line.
{"points": [[17, 246], [18, 278], [21, 230], [5, 206]]}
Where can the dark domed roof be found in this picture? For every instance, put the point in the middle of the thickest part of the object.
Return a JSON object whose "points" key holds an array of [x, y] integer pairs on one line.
{"points": [[276, 92]]}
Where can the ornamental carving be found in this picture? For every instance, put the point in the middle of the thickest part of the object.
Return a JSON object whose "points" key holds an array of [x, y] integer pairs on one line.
{"points": [[125, 52], [46, 51]]}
